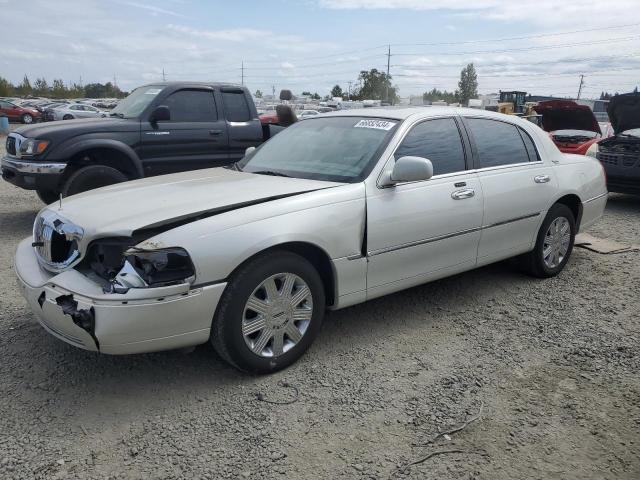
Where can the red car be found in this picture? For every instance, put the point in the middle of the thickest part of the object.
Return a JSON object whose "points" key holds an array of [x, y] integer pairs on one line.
{"points": [[19, 114], [572, 127]]}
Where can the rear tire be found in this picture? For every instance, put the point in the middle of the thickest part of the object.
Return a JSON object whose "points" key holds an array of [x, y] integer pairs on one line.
{"points": [[289, 292], [47, 196], [91, 177], [26, 118], [554, 243], [67, 117]]}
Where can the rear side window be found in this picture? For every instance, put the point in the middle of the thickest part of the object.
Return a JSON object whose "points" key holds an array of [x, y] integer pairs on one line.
{"points": [[530, 146], [439, 141], [236, 107], [192, 106], [498, 143]]}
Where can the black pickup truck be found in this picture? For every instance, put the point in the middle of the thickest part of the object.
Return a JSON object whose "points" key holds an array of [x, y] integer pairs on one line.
{"points": [[159, 128]]}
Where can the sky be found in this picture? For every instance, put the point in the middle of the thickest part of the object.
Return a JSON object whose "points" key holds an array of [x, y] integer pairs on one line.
{"points": [[539, 46]]}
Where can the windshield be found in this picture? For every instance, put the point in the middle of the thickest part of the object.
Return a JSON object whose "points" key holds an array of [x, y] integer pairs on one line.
{"points": [[634, 132], [136, 102], [336, 149], [575, 133]]}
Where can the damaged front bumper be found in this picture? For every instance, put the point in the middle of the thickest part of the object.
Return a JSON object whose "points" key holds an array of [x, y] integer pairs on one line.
{"points": [[75, 309]]}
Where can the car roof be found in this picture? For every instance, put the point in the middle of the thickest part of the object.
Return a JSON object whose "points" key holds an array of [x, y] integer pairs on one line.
{"points": [[402, 113], [203, 84]]}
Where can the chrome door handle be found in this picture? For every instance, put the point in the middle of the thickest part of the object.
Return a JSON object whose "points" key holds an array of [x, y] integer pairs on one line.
{"points": [[541, 178], [462, 194]]}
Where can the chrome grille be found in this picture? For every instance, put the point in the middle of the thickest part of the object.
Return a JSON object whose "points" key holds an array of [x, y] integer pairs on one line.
{"points": [[55, 241]]}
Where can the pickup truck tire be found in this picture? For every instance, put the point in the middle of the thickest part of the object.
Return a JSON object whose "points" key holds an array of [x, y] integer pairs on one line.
{"points": [[93, 176], [293, 312], [26, 118], [554, 243], [47, 196]]}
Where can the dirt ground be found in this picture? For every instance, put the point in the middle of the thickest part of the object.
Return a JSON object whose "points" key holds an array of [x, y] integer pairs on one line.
{"points": [[552, 367]]}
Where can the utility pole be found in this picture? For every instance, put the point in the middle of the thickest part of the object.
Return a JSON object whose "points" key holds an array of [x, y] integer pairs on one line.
{"points": [[273, 91], [164, 77], [242, 67], [580, 87], [386, 93], [349, 91]]}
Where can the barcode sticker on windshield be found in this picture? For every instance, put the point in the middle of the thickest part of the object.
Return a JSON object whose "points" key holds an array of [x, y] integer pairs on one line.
{"points": [[153, 91], [377, 124]]}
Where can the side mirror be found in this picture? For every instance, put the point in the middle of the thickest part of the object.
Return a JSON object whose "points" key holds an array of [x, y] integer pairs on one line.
{"points": [[249, 151], [160, 114], [409, 169]]}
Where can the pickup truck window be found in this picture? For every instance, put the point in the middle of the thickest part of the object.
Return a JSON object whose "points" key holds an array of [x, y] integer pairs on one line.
{"points": [[236, 107], [192, 106], [439, 141], [136, 102], [498, 143]]}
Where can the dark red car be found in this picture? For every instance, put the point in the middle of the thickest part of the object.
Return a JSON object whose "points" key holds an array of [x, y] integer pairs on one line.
{"points": [[16, 113], [572, 127]]}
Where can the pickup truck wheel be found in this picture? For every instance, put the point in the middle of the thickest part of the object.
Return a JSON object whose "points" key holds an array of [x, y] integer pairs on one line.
{"points": [[269, 313], [88, 178], [26, 118], [47, 196], [553, 245]]}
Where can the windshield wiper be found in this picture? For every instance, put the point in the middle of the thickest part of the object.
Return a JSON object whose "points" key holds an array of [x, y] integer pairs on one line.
{"points": [[271, 172], [119, 115]]}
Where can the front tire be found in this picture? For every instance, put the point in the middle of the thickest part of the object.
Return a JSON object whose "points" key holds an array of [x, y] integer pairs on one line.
{"points": [[47, 196], [91, 177], [67, 117], [554, 243], [26, 118], [270, 313]]}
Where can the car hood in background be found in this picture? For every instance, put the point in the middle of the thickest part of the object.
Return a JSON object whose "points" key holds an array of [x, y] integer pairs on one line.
{"points": [[624, 112], [566, 115], [79, 127], [167, 200]]}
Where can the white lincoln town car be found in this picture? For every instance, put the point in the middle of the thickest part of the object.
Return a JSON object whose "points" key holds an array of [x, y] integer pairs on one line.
{"points": [[331, 212]]}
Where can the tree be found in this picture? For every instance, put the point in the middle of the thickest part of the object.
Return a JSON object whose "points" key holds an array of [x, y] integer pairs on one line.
{"points": [[41, 87], [435, 95], [258, 94], [468, 84], [374, 86], [6, 89], [306, 94], [315, 96], [336, 91], [58, 90], [25, 87]]}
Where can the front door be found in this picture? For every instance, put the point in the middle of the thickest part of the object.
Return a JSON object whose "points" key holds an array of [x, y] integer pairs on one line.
{"points": [[418, 231], [195, 137], [518, 187]]}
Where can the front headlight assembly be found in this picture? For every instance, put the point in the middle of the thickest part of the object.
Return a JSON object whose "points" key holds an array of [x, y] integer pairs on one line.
{"points": [[31, 146]]}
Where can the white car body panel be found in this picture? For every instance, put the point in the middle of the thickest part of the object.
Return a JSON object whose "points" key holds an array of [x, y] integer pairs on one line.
{"points": [[377, 239]]}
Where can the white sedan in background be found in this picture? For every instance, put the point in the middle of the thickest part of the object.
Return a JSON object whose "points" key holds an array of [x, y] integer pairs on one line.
{"points": [[304, 114], [77, 110], [331, 212]]}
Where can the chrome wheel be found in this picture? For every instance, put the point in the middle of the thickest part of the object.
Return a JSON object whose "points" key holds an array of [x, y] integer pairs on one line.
{"points": [[27, 119], [556, 242], [277, 315]]}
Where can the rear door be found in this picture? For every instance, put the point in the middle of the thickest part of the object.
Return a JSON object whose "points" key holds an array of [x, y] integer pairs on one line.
{"points": [[517, 186], [419, 230], [195, 136], [243, 124]]}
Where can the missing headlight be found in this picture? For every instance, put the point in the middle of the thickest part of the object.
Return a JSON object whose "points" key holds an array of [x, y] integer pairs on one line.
{"points": [[166, 266]]}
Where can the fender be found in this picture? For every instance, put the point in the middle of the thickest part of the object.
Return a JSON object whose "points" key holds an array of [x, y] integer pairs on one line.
{"points": [[75, 146]]}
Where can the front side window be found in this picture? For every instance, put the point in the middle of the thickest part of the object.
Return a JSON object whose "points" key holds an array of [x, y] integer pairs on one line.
{"points": [[439, 141], [192, 106], [136, 102], [336, 149], [498, 143], [236, 107]]}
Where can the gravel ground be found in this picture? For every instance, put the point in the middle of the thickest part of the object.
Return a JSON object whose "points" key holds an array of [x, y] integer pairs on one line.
{"points": [[552, 366]]}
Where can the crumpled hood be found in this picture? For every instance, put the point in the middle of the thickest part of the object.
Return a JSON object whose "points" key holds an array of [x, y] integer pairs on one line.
{"points": [[566, 115], [121, 209], [624, 112], [80, 126]]}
